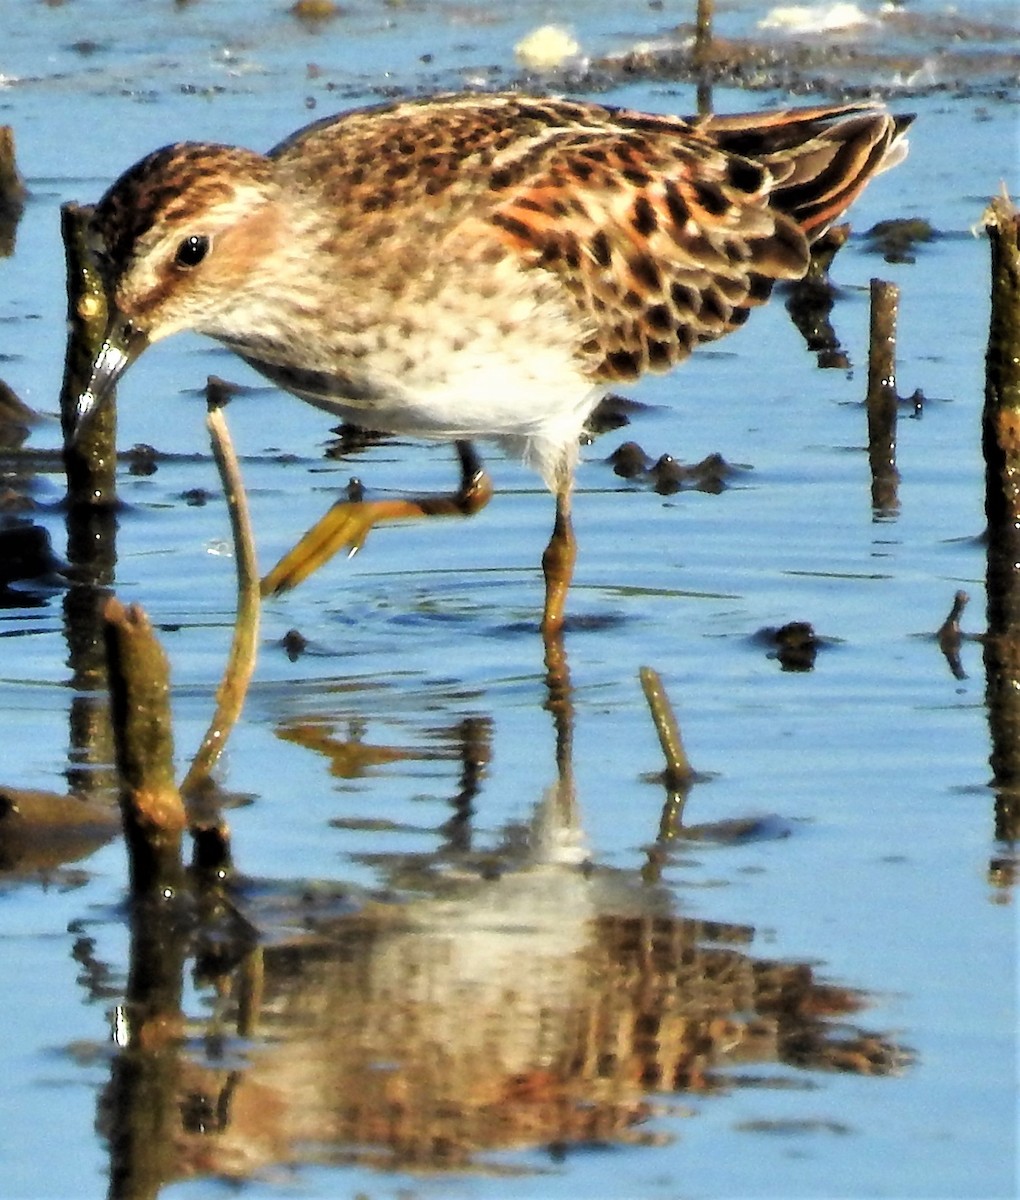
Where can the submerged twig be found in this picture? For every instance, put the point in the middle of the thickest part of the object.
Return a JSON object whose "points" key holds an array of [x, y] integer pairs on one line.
{"points": [[679, 772], [237, 674], [151, 805], [882, 398]]}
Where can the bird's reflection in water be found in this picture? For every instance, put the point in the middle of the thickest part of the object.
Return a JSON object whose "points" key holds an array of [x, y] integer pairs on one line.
{"points": [[510, 997]]}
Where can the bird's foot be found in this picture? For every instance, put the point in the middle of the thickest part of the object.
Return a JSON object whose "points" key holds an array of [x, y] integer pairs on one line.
{"points": [[345, 526]]}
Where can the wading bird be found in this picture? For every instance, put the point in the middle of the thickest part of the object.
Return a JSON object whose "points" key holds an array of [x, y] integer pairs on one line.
{"points": [[474, 266]]}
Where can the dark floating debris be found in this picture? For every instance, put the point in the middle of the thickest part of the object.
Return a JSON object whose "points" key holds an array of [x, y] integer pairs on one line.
{"points": [[895, 240], [794, 644], [611, 412], [667, 476], [353, 439], [142, 459], [629, 461], [28, 566], [44, 831], [16, 418], [294, 644], [25, 553]]}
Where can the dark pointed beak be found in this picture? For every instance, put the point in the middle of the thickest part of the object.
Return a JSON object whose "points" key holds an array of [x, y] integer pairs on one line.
{"points": [[122, 344]]}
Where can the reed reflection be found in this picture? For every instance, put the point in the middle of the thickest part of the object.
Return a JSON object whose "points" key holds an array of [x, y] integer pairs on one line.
{"points": [[510, 993]]}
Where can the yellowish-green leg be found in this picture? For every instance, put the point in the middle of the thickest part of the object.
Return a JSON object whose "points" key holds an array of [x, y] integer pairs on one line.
{"points": [[348, 522], [558, 562]]}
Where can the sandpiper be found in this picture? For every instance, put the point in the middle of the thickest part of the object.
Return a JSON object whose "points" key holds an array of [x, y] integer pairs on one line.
{"points": [[474, 266]]}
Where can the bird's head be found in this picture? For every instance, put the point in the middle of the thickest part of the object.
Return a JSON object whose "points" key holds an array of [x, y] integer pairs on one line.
{"points": [[178, 240]]}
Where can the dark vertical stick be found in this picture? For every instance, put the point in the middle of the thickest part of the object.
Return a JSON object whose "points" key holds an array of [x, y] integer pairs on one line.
{"points": [[91, 522], [702, 52], [882, 399], [1001, 418], [1001, 444], [90, 459], [90, 771], [142, 1104]]}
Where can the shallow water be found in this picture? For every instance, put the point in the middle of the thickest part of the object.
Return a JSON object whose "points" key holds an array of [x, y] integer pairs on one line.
{"points": [[805, 985]]}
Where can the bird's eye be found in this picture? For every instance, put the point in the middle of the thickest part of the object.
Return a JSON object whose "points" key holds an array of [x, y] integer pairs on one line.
{"points": [[192, 250]]}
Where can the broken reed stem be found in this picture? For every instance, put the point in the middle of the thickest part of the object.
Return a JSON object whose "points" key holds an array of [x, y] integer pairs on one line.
{"points": [[233, 689], [679, 771], [151, 807], [882, 398], [90, 459]]}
